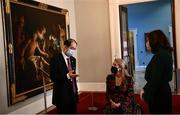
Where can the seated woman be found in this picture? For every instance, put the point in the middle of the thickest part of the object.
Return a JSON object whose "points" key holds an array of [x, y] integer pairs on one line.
{"points": [[119, 91]]}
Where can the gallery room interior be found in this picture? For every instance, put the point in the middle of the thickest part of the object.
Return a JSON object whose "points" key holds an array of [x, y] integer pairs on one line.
{"points": [[104, 30]]}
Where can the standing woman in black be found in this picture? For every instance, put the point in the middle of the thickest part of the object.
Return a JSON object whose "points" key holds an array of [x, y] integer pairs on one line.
{"points": [[157, 92]]}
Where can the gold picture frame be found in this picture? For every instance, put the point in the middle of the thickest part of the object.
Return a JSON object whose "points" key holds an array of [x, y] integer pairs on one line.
{"points": [[34, 33]]}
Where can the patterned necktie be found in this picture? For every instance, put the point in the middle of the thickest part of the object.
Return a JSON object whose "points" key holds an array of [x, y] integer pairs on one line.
{"points": [[73, 79]]}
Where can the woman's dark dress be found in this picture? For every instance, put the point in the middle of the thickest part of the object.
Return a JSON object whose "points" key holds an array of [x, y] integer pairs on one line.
{"points": [[123, 94], [157, 92]]}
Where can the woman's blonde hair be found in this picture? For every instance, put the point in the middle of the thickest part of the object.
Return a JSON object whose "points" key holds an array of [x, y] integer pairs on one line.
{"points": [[121, 63]]}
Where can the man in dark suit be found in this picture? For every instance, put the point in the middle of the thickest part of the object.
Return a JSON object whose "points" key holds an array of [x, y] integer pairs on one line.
{"points": [[62, 72]]}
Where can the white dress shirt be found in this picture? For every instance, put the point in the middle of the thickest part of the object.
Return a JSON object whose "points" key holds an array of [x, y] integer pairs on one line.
{"points": [[65, 58]]}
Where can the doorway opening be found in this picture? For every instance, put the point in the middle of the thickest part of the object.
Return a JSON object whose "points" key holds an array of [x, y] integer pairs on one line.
{"points": [[140, 19]]}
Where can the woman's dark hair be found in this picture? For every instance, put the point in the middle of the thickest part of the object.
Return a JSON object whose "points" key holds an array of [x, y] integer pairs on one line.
{"points": [[158, 40], [69, 41]]}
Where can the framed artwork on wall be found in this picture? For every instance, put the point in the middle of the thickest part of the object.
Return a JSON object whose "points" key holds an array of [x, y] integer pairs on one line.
{"points": [[34, 33]]}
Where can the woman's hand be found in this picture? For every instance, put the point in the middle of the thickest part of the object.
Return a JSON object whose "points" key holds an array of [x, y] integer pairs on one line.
{"points": [[114, 105], [141, 94], [117, 105]]}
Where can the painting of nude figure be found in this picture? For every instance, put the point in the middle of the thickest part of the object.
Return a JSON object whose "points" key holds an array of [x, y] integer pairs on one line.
{"points": [[38, 33]]}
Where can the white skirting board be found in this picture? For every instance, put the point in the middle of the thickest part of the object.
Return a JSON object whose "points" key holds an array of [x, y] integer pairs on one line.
{"points": [[140, 68], [90, 86]]}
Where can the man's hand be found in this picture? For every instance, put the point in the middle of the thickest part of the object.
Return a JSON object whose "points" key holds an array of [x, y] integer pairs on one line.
{"points": [[72, 75]]}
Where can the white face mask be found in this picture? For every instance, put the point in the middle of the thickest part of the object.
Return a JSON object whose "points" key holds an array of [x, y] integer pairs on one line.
{"points": [[70, 52]]}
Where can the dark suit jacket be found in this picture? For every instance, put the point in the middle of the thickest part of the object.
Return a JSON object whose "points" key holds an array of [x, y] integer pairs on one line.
{"points": [[62, 89], [158, 74]]}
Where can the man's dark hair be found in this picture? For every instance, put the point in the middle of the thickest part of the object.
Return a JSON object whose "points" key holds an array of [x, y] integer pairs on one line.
{"points": [[158, 40], [69, 41]]}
